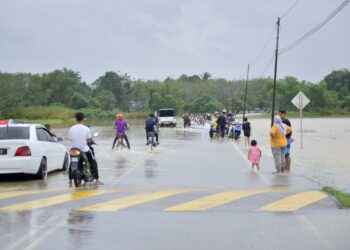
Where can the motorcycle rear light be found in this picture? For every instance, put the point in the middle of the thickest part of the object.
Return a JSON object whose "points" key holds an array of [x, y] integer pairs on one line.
{"points": [[74, 152], [23, 151]]}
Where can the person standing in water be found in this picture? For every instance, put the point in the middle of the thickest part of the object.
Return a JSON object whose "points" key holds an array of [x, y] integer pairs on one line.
{"points": [[285, 120], [247, 131]]}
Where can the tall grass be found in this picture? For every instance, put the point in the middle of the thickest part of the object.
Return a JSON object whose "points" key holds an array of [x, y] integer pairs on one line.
{"points": [[58, 115]]}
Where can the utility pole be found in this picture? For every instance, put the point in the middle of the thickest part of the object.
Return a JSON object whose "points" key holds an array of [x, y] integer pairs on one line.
{"points": [[275, 75], [245, 95]]}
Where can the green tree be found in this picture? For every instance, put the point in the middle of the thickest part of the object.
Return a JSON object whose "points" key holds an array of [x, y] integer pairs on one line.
{"points": [[115, 83], [205, 104], [79, 101], [106, 99]]}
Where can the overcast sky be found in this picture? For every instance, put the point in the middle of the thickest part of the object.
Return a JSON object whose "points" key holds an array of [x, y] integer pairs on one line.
{"points": [[152, 39]]}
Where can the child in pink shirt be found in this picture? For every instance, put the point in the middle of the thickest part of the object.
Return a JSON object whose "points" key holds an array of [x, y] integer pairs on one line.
{"points": [[254, 155]]}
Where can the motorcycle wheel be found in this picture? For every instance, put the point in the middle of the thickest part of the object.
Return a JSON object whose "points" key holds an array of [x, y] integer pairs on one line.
{"points": [[77, 178]]}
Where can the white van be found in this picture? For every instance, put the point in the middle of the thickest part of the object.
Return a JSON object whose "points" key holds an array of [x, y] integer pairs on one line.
{"points": [[167, 117]]}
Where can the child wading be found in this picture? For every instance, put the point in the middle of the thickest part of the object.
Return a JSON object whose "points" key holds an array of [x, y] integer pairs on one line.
{"points": [[254, 155]]}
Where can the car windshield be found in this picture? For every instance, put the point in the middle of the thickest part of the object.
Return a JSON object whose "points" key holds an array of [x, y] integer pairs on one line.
{"points": [[14, 133], [166, 112]]}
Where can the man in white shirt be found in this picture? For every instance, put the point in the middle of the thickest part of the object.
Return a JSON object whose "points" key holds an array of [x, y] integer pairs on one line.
{"points": [[80, 135]]}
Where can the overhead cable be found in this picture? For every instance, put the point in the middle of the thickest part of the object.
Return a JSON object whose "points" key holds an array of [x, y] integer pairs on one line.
{"points": [[315, 29]]}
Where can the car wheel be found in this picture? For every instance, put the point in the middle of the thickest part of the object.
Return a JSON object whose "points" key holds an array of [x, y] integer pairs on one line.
{"points": [[42, 172], [65, 162]]}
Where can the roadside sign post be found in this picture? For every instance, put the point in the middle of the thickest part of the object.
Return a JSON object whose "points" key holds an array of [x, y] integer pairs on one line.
{"points": [[300, 101]]}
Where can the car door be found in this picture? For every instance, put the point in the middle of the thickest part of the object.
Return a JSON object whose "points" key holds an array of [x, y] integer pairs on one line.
{"points": [[47, 148], [56, 151]]}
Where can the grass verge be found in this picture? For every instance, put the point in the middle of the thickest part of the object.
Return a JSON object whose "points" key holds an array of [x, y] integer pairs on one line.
{"points": [[343, 198]]}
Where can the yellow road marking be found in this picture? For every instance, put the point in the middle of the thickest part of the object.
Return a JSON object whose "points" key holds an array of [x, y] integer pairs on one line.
{"points": [[9, 188], [294, 202], [20, 193], [134, 200], [216, 200], [46, 202]]}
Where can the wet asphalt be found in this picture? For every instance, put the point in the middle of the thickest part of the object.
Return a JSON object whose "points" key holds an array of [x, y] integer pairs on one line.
{"points": [[189, 193]]}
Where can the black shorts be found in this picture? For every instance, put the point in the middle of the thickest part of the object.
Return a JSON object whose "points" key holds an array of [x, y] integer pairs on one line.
{"points": [[247, 133]]}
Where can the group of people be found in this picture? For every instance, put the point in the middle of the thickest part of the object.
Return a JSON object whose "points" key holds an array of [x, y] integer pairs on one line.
{"points": [[196, 119], [280, 138], [80, 136], [226, 125], [151, 126], [280, 141]]}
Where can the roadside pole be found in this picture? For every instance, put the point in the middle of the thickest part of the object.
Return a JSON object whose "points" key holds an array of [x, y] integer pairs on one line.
{"points": [[275, 73], [300, 101], [301, 121], [245, 95]]}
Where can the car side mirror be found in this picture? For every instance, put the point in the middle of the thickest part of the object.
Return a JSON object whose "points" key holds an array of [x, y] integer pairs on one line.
{"points": [[60, 139]]}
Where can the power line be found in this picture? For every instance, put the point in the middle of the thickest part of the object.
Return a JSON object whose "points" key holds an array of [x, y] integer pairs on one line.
{"points": [[267, 66], [315, 29], [265, 46], [290, 9]]}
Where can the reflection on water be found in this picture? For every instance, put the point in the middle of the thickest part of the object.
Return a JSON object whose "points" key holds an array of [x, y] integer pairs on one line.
{"points": [[122, 164], [324, 157], [150, 168], [78, 233]]}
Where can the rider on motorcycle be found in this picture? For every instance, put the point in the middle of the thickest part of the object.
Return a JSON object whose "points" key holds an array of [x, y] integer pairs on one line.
{"points": [[187, 120], [150, 124], [80, 135], [121, 126]]}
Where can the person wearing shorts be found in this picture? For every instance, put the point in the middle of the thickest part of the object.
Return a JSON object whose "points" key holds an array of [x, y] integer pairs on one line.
{"points": [[288, 160], [247, 131]]}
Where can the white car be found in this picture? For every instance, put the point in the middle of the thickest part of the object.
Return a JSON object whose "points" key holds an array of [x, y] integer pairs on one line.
{"points": [[167, 117], [30, 149]]}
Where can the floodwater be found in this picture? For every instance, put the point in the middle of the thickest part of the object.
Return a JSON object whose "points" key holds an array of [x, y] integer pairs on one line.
{"points": [[325, 154], [324, 158]]}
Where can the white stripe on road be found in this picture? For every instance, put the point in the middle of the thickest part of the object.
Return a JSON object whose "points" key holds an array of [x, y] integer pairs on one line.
{"points": [[249, 164]]}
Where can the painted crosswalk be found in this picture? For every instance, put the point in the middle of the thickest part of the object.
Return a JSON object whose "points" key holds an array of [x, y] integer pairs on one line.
{"points": [[46, 202], [123, 203], [295, 202], [216, 200], [177, 200]]}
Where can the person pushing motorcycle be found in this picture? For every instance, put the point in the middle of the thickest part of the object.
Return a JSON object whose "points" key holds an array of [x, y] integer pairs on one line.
{"points": [[80, 135]]}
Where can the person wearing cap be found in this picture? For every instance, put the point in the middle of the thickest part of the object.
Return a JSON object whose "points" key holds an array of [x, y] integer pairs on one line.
{"points": [[120, 126], [80, 135]]}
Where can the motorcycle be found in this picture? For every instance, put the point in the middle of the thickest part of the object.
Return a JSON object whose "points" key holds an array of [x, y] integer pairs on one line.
{"points": [[238, 129], [120, 142], [79, 167], [151, 140]]}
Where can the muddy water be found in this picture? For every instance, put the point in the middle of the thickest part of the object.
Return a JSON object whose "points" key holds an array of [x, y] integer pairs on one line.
{"points": [[324, 157], [326, 152]]}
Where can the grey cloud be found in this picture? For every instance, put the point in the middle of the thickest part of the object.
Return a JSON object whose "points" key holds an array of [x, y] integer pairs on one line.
{"points": [[159, 38]]}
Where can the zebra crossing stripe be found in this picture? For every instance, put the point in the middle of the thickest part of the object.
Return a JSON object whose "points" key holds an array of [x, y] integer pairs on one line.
{"points": [[130, 201], [54, 200], [216, 200], [295, 202]]}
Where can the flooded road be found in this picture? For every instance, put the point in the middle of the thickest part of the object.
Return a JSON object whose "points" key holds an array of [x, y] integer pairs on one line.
{"points": [[189, 193], [325, 155]]}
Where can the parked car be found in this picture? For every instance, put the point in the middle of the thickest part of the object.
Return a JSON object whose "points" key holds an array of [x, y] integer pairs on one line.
{"points": [[30, 149], [167, 117]]}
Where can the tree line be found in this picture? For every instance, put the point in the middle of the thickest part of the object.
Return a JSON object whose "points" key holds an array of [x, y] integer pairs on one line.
{"points": [[195, 93]]}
